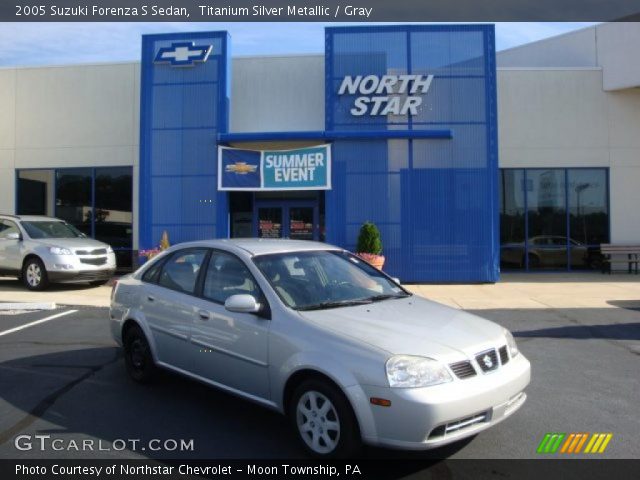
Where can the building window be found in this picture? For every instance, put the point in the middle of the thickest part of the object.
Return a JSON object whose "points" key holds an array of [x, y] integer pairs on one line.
{"points": [[97, 201], [113, 215], [73, 198], [553, 219]]}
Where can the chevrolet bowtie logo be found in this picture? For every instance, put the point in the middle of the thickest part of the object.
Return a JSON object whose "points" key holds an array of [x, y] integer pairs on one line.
{"points": [[183, 54], [240, 168]]}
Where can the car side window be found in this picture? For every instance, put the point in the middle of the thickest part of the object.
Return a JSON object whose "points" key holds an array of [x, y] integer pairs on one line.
{"points": [[227, 275], [151, 275], [7, 227], [180, 272]]}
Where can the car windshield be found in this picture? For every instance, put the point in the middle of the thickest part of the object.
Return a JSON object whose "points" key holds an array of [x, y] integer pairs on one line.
{"points": [[317, 280], [51, 229]]}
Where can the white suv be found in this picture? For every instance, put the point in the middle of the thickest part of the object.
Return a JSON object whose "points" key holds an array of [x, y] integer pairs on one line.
{"points": [[40, 250]]}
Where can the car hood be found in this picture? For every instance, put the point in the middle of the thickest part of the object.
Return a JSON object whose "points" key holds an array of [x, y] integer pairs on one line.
{"points": [[71, 243], [412, 326]]}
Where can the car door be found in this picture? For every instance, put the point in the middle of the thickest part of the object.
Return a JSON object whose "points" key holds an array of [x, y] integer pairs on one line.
{"points": [[10, 248], [168, 305], [230, 348]]}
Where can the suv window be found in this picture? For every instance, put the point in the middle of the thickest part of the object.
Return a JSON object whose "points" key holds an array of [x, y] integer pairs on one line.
{"points": [[7, 227], [180, 272], [226, 276]]}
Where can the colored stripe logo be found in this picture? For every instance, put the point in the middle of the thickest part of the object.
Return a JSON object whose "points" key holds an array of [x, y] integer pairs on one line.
{"points": [[555, 442]]}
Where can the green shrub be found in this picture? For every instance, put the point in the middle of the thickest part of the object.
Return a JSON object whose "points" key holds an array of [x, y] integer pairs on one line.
{"points": [[369, 239]]}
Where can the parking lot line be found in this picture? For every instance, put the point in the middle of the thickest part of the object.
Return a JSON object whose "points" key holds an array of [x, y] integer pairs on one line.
{"points": [[31, 324]]}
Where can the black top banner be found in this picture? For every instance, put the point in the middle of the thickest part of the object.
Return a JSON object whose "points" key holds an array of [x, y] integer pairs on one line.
{"points": [[319, 10]]}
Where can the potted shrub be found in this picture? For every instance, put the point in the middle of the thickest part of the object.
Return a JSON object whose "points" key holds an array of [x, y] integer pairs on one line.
{"points": [[369, 246]]}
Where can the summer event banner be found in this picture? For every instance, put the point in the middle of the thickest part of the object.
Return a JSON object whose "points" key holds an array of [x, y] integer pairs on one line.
{"points": [[300, 169]]}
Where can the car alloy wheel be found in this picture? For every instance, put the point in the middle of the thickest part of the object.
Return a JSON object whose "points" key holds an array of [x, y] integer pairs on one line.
{"points": [[323, 419], [318, 422], [34, 275]]}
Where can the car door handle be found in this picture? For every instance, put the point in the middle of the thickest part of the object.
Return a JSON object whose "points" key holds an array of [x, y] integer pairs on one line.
{"points": [[204, 315], [151, 298]]}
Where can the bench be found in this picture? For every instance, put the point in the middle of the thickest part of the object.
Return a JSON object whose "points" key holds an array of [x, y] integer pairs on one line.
{"points": [[623, 254]]}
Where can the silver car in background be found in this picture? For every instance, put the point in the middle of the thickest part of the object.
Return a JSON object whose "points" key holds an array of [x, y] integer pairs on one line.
{"points": [[42, 250], [319, 335]]}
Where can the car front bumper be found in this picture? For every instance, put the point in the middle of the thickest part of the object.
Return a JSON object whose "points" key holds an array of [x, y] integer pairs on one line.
{"points": [[74, 268], [424, 418], [82, 276]]}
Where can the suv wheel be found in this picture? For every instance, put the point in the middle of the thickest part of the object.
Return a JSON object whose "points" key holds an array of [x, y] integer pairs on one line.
{"points": [[34, 274], [137, 356], [324, 421]]}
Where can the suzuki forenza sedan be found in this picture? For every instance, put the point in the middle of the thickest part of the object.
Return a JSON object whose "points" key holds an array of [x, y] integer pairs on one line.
{"points": [[316, 333]]}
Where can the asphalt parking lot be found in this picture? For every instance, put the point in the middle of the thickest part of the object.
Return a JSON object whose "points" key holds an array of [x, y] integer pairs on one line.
{"points": [[65, 377]]}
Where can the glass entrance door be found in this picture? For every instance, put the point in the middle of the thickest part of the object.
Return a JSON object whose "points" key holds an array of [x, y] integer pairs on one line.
{"points": [[297, 220]]}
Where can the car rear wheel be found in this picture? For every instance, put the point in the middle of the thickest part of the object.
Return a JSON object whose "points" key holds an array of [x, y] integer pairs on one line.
{"points": [[34, 274], [137, 356], [323, 420]]}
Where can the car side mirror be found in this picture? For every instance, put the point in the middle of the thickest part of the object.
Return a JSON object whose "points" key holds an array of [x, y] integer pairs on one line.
{"points": [[242, 304], [396, 279], [13, 236]]}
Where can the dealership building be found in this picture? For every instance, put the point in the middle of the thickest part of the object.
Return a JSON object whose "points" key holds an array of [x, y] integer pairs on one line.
{"points": [[470, 162]]}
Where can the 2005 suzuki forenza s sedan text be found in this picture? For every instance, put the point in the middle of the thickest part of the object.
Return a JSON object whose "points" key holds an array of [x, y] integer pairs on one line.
{"points": [[318, 334]]}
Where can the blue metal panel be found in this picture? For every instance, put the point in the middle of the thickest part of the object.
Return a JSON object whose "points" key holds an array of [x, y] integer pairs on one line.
{"points": [[183, 109], [329, 135], [433, 196]]}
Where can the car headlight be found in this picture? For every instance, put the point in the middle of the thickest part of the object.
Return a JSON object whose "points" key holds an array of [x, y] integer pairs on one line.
{"points": [[109, 249], [406, 371], [511, 343], [59, 251]]}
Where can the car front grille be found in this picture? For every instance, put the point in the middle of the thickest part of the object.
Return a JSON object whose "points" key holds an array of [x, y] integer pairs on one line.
{"points": [[97, 251], [487, 360], [459, 425], [94, 275], [504, 355], [94, 261], [463, 369]]}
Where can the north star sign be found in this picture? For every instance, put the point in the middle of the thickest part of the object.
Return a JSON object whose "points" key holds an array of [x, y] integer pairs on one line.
{"points": [[375, 93]]}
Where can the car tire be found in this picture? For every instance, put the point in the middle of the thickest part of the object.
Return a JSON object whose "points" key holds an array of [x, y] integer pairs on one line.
{"points": [[323, 420], [34, 274], [534, 261], [137, 356]]}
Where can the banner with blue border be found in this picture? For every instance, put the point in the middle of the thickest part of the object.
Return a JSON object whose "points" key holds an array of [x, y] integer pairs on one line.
{"points": [[306, 168]]}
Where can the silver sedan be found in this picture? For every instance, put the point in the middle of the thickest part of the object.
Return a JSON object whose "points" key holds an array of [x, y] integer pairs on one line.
{"points": [[319, 335]]}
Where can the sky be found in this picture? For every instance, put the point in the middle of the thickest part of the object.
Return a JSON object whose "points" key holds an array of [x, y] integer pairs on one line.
{"points": [[30, 44]]}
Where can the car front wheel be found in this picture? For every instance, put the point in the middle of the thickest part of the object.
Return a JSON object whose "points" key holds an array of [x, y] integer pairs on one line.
{"points": [[34, 274], [323, 420]]}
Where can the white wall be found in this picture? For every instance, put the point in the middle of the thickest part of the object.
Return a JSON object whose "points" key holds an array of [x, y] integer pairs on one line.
{"points": [[617, 54], [611, 46], [271, 94], [7, 140], [555, 118], [572, 49], [76, 116]]}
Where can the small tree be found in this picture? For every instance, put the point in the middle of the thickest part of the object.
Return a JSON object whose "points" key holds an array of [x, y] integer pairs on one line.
{"points": [[369, 239]]}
